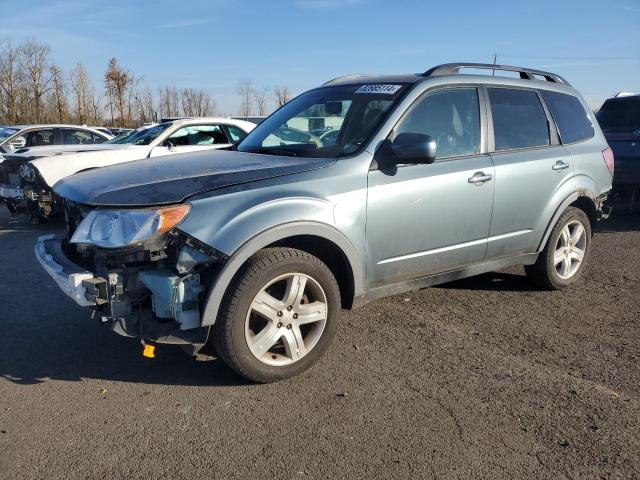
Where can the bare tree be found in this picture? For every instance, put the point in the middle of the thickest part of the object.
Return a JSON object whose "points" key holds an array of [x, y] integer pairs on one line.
{"points": [[38, 80], [169, 101], [196, 103], [84, 94], [58, 96], [117, 82], [10, 80], [261, 97], [282, 95], [148, 108], [245, 90]]}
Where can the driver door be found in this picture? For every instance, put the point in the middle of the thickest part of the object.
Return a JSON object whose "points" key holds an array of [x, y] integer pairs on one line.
{"points": [[193, 138], [425, 219]]}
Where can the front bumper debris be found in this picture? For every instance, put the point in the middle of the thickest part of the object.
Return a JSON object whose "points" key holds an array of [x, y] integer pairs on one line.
{"points": [[66, 274], [149, 302]]}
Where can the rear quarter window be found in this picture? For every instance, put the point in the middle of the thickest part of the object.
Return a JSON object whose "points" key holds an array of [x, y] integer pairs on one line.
{"points": [[570, 117]]}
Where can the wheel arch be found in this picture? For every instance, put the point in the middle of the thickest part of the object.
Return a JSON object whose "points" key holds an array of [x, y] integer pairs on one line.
{"points": [[320, 240], [582, 199]]}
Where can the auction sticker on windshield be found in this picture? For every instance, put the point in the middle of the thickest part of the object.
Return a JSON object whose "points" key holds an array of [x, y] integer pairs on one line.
{"points": [[385, 89]]}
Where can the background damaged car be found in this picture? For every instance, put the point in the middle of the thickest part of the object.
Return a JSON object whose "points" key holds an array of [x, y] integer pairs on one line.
{"points": [[28, 175]]}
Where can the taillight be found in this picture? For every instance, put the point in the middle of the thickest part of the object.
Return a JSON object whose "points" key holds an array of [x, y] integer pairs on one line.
{"points": [[607, 154]]}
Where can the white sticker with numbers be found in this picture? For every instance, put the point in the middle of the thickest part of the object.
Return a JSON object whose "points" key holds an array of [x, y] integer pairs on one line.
{"points": [[379, 88]]}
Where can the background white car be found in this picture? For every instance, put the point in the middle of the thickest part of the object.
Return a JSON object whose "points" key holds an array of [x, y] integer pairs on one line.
{"points": [[21, 136], [28, 174]]}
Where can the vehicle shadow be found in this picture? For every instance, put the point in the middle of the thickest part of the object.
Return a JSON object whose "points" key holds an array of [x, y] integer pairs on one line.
{"points": [[622, 219], [94, 352], [494, 282]]}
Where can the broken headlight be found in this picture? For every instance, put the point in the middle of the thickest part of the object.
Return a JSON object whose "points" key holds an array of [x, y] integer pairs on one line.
{"points": [[28, 172], [123, 228]]}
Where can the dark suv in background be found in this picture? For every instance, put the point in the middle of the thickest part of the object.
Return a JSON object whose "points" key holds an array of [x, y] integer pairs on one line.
{"points": [[619, 119]]}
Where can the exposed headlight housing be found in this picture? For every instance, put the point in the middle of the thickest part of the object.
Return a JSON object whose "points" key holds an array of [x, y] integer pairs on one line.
{"points": [[28, 172], [124, 228]]}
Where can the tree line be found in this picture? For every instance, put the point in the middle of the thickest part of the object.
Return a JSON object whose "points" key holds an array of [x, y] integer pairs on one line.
{"points": [[34, 89]]}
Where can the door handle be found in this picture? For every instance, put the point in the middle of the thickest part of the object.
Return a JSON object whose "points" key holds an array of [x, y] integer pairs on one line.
{"points": [[479, 178], [560, 165]]}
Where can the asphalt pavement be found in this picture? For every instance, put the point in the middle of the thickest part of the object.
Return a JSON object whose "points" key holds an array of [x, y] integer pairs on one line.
{"points": [[487, 377]]}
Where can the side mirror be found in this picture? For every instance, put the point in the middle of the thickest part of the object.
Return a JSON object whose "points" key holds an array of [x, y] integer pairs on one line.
{"points": [[414, 148], [169, 144], [19, 142]]}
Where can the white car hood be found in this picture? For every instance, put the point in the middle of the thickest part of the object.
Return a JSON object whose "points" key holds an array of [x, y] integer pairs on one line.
{"points": [[63, 164], [54, 149]]}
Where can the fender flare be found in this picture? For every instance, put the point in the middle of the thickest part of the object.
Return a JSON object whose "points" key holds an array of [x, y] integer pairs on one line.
{"points": [[233, 264], [559, 211]]}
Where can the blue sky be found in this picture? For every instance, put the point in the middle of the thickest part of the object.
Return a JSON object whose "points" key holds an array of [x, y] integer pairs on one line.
{"points": [[210, 44]]}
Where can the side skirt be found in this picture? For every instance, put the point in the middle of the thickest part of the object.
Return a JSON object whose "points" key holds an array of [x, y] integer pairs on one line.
{"points": [[423, 282]]}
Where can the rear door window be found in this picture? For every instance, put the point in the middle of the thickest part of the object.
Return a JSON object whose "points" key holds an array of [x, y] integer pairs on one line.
{"points": [[570, 117], [97, 138], [519, 119], [236, 134], [76, 137]]}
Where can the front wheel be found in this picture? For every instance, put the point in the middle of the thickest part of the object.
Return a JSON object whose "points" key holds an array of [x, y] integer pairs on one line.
{"points": [[279, 315], [565, 255]]}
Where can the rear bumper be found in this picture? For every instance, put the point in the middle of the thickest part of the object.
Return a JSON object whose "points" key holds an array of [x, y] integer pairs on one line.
{"points": [[65, 273]]}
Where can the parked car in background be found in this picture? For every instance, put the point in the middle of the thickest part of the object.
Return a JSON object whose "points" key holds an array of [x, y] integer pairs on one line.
{"points": [[619, 119], [431, 178], [27, 175], [113, 131], [21, 136]]}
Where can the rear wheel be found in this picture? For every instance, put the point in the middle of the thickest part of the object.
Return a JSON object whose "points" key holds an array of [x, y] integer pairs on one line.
{"points": [[279, 316], [565, 255]]}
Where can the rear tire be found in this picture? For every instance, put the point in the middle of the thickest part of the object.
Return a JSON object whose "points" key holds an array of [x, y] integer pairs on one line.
{"points": [[279, 315], [566, 253]]}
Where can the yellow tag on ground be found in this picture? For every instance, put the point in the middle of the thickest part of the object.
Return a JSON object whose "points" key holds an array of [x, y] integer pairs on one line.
{"points": [[149, 351]]}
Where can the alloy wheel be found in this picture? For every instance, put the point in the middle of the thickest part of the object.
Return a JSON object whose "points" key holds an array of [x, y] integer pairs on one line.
{"points": [[286, 319], [570, 249]]}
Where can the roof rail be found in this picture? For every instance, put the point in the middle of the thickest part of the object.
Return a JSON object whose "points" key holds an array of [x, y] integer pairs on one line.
{"points": [[345, 77], [525, 73]]}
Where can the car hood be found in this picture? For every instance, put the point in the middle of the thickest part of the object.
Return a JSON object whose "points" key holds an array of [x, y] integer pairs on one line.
{"points": [[172, 179]]}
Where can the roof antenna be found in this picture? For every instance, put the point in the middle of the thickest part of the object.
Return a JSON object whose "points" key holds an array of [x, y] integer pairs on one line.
{"points": [[495, 61]]}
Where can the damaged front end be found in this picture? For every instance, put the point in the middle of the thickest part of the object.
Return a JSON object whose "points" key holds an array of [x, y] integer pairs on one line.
{"points": [[24, 191], [152, 289]]}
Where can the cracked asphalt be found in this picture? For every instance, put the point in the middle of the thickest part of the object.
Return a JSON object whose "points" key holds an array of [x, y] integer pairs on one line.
{"points": [[487, 377]]}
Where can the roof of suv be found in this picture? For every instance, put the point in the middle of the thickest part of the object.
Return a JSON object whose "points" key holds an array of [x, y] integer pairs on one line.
{"points": [[451, 69]]}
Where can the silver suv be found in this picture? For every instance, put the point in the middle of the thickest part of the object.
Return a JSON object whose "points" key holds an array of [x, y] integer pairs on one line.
{"points": [[364, 187]]}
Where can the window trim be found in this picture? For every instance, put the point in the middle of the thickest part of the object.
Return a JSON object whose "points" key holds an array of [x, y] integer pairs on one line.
{"points": [[593, 128], [554, 138], [481, 112]]}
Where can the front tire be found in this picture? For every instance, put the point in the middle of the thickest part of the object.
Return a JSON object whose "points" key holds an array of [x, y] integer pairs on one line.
{"points": [[566, 253], [279, 315]]}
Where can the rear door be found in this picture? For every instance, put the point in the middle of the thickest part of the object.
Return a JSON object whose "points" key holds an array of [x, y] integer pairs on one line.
{"points": [[530, 165], [193, 138]]}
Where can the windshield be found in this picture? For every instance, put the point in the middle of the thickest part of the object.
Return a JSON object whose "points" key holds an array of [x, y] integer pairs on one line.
{"points": [[6, 132], [620, 114], [326, 122], [142, 136]]}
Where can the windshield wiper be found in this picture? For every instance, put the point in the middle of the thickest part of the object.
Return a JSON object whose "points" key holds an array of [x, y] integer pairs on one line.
{"points": [[275, 151]]}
